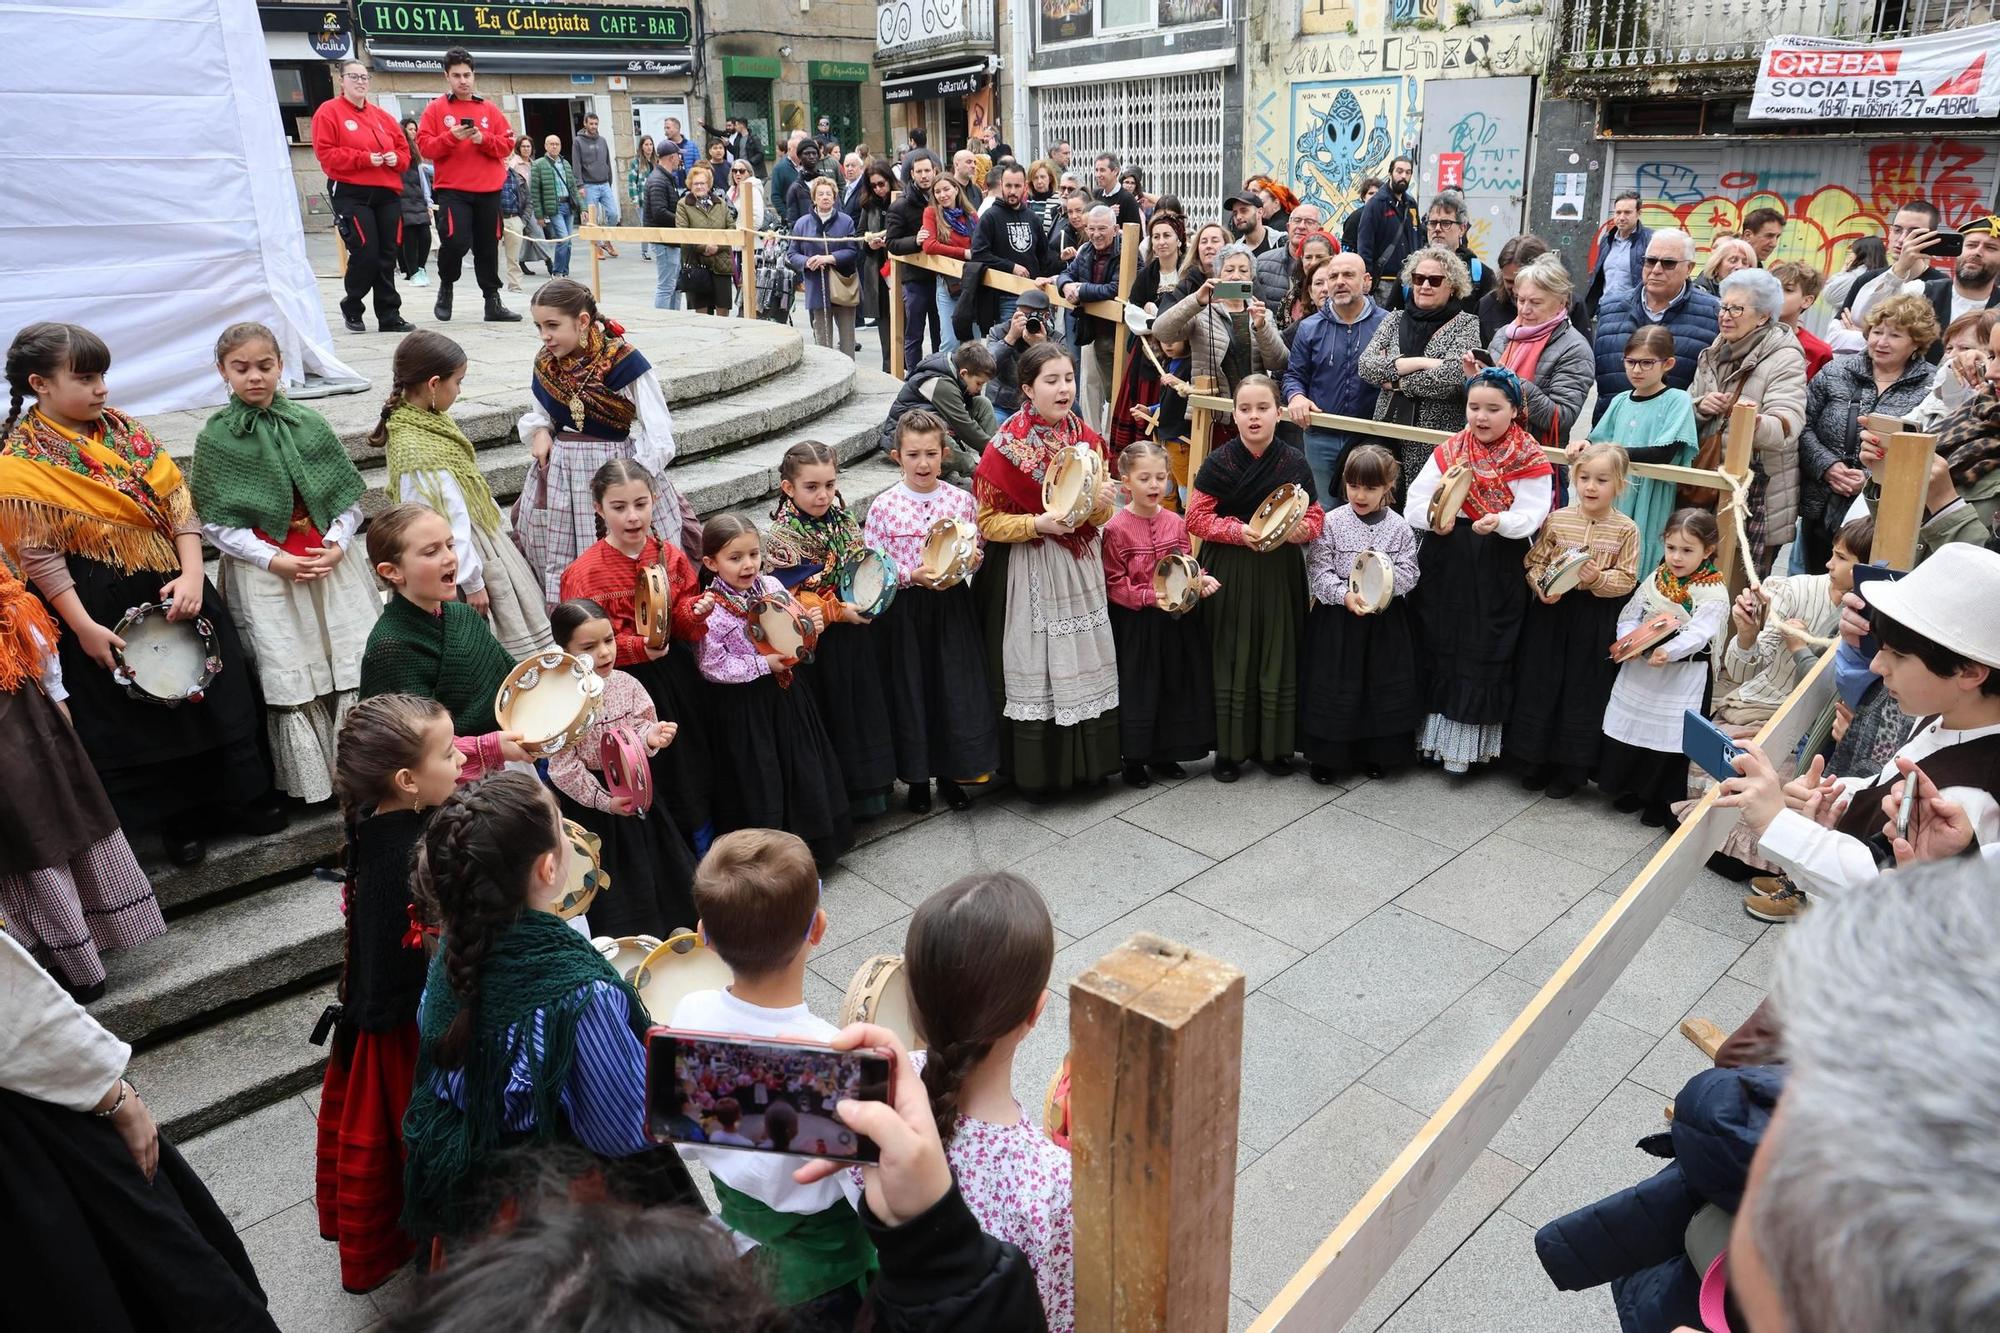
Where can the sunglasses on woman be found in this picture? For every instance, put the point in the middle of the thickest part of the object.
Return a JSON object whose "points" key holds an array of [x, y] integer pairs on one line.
{"points": [[1427, 279]]}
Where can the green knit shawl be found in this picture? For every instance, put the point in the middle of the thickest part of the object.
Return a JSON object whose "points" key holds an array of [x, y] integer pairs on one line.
{"points": [[424, 441], [248, 461], [452, 658], [539, 965]]}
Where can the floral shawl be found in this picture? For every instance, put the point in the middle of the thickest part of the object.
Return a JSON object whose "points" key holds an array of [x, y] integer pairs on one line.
{"points": [[112, 496], [1010, 472], [1495, 467], [581, 392]]}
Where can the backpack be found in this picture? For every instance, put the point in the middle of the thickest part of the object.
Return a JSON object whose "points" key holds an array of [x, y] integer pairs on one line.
{"points": [[513, 196]]}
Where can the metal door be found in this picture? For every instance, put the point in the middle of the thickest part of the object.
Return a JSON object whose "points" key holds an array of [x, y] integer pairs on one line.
{"points": [[1483, 125], [751, 100], [841, 104]]}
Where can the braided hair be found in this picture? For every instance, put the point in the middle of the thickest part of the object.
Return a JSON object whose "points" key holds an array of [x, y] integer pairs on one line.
{"points": [[977, 956], [472, 875], [47, 349], [422, 356], [805, 454]]}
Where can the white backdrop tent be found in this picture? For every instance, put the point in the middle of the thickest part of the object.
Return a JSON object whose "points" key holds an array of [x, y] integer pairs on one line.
{"points": [[146, 192]]}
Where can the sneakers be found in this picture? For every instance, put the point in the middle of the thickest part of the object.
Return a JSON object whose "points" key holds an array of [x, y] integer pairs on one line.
{"points": [[1780, 904], [421, 278]]}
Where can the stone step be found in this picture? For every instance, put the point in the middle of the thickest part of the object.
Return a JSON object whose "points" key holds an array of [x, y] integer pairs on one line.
{"points": [[218, 1073], [219, 957], [236, 863]]}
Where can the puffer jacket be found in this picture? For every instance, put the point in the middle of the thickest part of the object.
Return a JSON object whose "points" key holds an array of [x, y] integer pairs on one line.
{"points": [[1773, 376], [1636, 1239], [1208, 330], [1562, 379], [1836, 400], [1691, 319], [1272, 277]]}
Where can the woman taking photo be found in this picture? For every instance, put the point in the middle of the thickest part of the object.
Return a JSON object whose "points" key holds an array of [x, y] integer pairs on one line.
{"points": [[1553, 361], [1417, 356], [1890, 378], [705, 268], [1228, 339], [823, 245], [1757, 359]]}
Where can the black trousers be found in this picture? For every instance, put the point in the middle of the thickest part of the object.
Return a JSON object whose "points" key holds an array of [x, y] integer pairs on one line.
{"points": [[470, 220], [369, 219], [416, 248]]}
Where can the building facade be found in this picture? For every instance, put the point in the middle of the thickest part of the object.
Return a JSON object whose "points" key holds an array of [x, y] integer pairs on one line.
{"points": [[941, 68]]}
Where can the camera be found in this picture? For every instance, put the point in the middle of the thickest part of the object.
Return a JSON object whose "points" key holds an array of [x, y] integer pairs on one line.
{"points": [[1033, 326]]}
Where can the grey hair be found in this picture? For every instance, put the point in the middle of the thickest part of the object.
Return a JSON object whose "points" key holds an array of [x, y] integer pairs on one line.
{"points": [[1235, 248], [1675, 234], [1452, 201], [1879, 1206], [1721, 248], [1308, 208], [1762, 290], [1101, 213], [1547, 272], [1454, 268], [1112, 158]]}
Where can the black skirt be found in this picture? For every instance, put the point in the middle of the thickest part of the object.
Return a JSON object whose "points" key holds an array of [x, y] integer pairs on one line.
{"points": [[683, 773], [652, 873], [845, 677], [96, 1246], [159, 763], [1470, 600], [1166, 689], [933, 668], [1654, 776], [1566, 673], [1360, 699], [778, 769]]}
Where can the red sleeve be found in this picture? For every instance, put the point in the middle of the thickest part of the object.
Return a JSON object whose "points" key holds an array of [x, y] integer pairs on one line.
{"points": [[432, 137], [936, 247], [336, 157], [1205, 523], [1121, 583], [482, 756], [1313, 523], [685, 624], [501, 141]]}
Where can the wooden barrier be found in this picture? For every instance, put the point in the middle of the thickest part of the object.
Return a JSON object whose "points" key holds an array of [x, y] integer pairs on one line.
{"points": [[743, 240], [1904, 473], [1156, 1056]]}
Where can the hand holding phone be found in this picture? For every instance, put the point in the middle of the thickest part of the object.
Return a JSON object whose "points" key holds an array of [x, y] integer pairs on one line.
{"points": [[762, 1094], [913, 1173], [1483, 356], [1707, 745]]}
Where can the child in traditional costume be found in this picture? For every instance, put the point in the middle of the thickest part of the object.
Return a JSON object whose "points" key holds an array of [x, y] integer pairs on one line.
{"points": [[1474, 599], [1256, 622], [69, 886], [280, 498], [431, 462], [101, 522], [1362, 685], [779, 769], [928, 647], [1556, 729], [651, 872], [624, 495], [1652, 423], [596, 398], [396, 761], [811, 540], [1049, 651], [1642, 763], [1166, 696]]}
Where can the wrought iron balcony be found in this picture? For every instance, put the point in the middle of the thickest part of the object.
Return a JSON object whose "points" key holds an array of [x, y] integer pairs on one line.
{"points": [[912, 31], [1642, 37]]}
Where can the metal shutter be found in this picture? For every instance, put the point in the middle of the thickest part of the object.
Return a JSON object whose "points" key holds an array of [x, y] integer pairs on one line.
{"points": [[1169, 127]]}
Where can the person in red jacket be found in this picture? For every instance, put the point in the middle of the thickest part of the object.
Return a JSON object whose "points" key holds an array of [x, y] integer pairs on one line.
{"points": [[362, 151], [467, 139]]}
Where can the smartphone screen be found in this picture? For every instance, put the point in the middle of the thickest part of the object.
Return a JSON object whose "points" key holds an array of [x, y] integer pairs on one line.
{"points": [[759, 1095]]}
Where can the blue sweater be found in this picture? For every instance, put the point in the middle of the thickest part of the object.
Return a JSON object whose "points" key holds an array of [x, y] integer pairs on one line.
{"points": [[1325, 364], [1691, 319]]}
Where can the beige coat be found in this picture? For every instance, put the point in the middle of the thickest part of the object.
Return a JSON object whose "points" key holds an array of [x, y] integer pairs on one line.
{"points": [[1771, 374], [1207, 331]]}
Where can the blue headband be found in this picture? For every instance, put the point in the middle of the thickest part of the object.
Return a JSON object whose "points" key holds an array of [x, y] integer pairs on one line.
{"points": [[1503, 380]]}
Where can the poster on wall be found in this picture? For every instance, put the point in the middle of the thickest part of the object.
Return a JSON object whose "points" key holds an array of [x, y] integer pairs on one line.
{"points": [[1476, 130], [1944, 75], [1343, 130], [1181, 13], [1068, 20]]}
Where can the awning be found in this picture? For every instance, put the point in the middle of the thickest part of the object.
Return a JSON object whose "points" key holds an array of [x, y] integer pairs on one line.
{"points": [[929, 87], [420, 60]]}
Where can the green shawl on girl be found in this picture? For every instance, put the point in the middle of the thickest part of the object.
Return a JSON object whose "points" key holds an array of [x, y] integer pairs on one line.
{"points": [[451, 657]]}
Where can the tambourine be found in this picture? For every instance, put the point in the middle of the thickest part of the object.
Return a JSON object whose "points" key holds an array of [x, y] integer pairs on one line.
{"points": [[950, 548], [652, 603], [1651, 632], [880, 994], [1374, 580], [869, 583], [1177, 584], [549, 700], [166, 662], [626, 953], [1276, 518], [676, 968], [1564, 573], [781, 627], [1449, 498], [1055, 1107], [628, 771], [587, 877], [1069, 487]]}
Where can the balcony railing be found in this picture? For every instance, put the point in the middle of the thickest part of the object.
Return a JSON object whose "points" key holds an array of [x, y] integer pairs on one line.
{"points": [[907, 31], [1633, 35]]}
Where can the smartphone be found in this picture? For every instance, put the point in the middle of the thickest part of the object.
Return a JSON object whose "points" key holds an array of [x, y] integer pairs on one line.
{"points": [[1230, 291], [1864, 574], [1483, 357], [1948, 245], [1703, 742], [760, 1094]]}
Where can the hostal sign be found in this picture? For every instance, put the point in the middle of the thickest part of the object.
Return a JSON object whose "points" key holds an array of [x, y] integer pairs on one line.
{"points": [[580, 25]]}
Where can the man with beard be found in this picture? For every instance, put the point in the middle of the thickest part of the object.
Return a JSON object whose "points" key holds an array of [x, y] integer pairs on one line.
{"points": [[906, 221], [1246, 220], [1008, 239], [1913, 234], [1389, 232]]}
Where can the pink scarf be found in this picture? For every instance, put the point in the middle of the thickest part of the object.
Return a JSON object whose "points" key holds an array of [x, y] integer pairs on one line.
{"points": [[1525, 343]]}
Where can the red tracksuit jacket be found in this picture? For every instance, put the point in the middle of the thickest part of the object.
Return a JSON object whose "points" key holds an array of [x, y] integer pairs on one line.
{"points": [[344, 136], [461, 164]]}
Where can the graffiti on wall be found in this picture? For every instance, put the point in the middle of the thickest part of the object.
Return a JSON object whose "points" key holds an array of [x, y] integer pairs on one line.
{"points": [[1346, 129]]}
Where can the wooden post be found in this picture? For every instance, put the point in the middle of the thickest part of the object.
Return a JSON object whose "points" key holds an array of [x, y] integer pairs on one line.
{"points": [[1201, 427], [895, 299], [339, 255], [1737, 445], [1156, 1056], [749, 268], [1128, 273], [596, 258], [1905, 477]]}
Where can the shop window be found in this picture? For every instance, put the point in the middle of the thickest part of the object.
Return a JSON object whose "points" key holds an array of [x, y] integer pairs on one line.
{"points": [[751, 99], [301, 88], [1118, 15], [841, 104]]}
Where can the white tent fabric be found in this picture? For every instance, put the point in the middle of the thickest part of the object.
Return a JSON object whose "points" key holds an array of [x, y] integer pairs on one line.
{"points": [[146, 192]]}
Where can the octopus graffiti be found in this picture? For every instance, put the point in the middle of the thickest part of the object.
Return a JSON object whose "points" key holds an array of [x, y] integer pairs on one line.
{"points": [[1348, 129]]}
